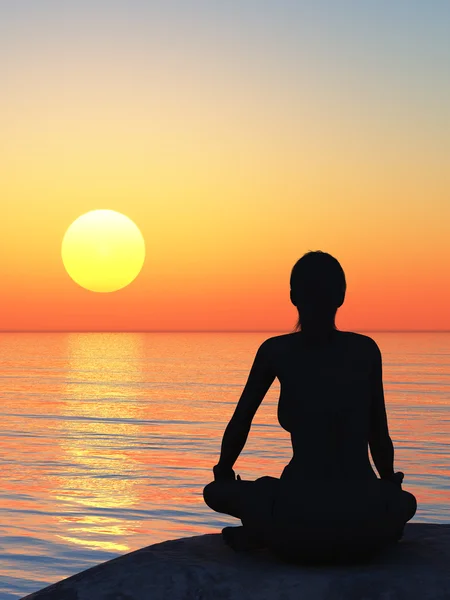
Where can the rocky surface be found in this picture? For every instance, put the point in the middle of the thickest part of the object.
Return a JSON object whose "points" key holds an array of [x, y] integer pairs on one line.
{"points": [[203, 567]]}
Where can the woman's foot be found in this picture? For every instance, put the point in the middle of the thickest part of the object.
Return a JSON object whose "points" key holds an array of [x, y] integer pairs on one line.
{"points": [[239, 538]]}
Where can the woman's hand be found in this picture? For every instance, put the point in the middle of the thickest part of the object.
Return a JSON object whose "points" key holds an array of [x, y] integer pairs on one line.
{"points": [[396, 478], [221, 474]]}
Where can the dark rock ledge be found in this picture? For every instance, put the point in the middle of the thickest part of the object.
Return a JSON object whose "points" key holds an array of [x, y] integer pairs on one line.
{"points": [[203, 568]]}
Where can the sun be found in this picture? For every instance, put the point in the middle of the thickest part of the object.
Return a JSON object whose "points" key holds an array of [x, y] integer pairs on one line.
{"points": [[103, 251]]}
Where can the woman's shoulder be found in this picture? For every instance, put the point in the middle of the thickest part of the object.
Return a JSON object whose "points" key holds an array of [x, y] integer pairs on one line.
{"points": [[285, 337], [358, 341], [360, 338]]}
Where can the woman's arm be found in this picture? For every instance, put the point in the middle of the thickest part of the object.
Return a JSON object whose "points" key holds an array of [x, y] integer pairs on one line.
{"points": [[381, 446], [259, 381], [233, 442]]}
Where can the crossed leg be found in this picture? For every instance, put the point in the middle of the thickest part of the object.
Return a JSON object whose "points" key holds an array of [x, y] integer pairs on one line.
{"points": [[406, 511], [249, 501], [252, 503]]}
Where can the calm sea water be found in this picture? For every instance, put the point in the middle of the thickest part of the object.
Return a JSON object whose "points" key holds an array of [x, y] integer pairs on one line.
{"points": [[107, 440]]}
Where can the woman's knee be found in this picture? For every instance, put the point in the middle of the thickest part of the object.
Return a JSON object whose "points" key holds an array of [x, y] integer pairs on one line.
{"points": [[411, 504], [210, 494], [226, 496]]}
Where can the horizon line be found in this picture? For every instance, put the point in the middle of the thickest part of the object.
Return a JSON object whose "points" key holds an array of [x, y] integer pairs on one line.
{"points": [[208, 331]]}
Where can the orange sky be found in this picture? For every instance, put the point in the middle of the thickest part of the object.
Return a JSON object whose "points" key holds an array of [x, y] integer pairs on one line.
{"points": [[234, 154]]}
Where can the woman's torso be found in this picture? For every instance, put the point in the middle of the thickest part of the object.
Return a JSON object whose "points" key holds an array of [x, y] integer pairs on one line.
{"points": [[325, 405]]}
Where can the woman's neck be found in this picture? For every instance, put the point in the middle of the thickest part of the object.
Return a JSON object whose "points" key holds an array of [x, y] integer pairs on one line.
{"points": [[317, 337]]}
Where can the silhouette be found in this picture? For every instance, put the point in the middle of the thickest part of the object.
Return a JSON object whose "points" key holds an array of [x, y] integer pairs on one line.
{"points": [[328, 506]]}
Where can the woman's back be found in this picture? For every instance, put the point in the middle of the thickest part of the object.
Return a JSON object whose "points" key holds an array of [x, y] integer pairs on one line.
{"points": [[324, 403], [329, 488]]}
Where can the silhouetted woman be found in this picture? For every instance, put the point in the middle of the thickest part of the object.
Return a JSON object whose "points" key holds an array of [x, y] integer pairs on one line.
{"points": [[328, 506]]}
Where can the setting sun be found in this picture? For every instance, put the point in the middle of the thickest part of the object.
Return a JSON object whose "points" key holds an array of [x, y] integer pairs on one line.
{"points": [[103, 251]]}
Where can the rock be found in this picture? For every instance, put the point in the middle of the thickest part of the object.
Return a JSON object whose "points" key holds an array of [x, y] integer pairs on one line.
{"points": [[203, 567]]}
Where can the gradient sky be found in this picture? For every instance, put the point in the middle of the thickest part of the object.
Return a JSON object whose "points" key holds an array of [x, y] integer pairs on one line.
{"points": [[237, 136]]}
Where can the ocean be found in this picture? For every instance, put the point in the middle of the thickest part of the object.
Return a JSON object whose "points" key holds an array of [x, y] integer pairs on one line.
{"points": [[107, 439]]}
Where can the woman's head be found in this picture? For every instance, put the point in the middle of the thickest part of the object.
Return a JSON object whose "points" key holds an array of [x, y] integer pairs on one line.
{"points": [[318, 289]]}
